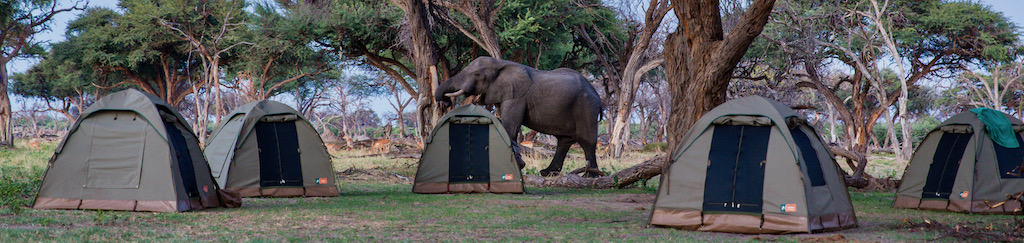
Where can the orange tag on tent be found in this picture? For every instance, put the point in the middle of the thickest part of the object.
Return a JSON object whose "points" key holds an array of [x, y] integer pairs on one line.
{"points": [[507, 177], [789, 208], [206, 188], [964, 194], [321, 180]]}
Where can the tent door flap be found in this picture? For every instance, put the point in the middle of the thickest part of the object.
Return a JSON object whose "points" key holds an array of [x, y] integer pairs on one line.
{"points": [[737, 161], [469, 156], [280, 164], [945, 164]]}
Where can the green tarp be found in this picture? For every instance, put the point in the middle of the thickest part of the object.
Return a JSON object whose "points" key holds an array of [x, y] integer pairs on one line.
{"points": [[999, 128]]}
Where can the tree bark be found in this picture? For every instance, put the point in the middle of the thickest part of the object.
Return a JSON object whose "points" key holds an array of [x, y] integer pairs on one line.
{"points": [[622, 179], [482, 16], [637, 64], [6, 127], [699, 59], [424, 58]]}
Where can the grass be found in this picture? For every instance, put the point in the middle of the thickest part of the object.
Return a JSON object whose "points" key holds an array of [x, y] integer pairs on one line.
{"points": [[373, 208], [880, 166]]}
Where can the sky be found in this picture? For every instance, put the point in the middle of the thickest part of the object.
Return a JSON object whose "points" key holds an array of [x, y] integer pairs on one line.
{"points": [[1013, 9]]}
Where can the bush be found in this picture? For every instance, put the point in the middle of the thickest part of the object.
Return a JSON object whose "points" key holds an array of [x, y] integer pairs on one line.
{"points": [[18, 186]]}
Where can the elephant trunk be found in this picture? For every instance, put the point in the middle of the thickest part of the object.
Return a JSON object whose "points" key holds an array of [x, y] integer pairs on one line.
{"points": [[440, 94]]}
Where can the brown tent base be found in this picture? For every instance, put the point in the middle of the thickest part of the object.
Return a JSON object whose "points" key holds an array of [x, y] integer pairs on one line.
{"points": [[312, 191], [751, 223], [492, 187], [978, 206], [124, 205]]}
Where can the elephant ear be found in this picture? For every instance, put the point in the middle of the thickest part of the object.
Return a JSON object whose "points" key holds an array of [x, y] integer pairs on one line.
{"points": [[511, 82]]}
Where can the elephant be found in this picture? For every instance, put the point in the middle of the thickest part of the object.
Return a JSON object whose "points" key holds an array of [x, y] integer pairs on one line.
{"points": [[559, 102]]}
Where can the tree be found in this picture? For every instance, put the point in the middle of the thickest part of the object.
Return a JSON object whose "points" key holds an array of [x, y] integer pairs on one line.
{"points": [[61, 82], [700, 58], [398, 103], [638, 63], [281, 55], [481, 14], [211, 31], [20, 20], [423, 55], [995, 89], [135, 48]]}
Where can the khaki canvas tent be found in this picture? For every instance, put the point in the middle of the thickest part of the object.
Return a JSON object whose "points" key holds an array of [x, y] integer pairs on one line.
{"points": [[128, 151], [753, 165], [467, 152], [959, 168], [266, 148]]}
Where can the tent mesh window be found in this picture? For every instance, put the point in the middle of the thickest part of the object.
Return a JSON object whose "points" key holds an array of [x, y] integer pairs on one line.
{"points": [[809, 156], [185, 166], [1010, 159], [469, 160], [945, 163], [279, 154], [737, 160]]}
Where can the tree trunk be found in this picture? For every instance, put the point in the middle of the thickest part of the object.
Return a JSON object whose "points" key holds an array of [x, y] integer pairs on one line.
{"points": [[831, 123], [636, 66], [894, 141], [6, 114], [424, 58], [699, 59]]}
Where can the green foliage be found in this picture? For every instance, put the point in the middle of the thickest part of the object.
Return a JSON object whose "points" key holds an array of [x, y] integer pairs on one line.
{"points": [[20, 20], [958, 32], [18, 186], [918, 129], [281, 58], [134, 45], [544, 33]]}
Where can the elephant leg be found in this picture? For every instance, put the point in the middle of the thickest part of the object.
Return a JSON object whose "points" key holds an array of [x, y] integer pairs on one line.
{"points": [[590, 151], [555, 167], [511, 116]]}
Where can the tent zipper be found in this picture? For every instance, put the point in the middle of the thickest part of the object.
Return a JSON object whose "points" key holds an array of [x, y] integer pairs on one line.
{"points": [[735, 168]]}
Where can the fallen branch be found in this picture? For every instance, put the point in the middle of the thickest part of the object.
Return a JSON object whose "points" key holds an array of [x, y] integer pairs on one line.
{"points": [[857, 179], [621, 179]]}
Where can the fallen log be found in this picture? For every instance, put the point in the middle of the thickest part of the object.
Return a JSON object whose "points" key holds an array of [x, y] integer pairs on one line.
{"points": [[621, 179], [858, 179], [535, 152]]}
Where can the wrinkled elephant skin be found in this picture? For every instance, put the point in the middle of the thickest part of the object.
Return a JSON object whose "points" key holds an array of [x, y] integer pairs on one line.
{"points": [[560, 102]]}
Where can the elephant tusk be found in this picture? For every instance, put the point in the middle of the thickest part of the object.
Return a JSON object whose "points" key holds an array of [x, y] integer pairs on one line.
{"points": [[456, 93]]}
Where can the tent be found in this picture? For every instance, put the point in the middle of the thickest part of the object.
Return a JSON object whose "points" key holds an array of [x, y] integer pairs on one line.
{"points": [[957, 167], [753, 165], [128, 151], [468, 151], [265, 148]]}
